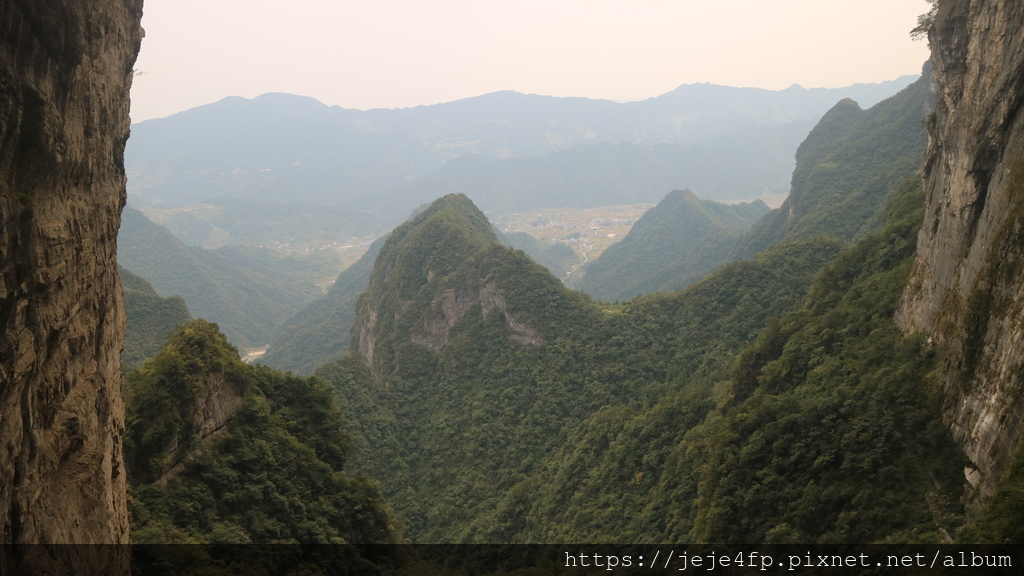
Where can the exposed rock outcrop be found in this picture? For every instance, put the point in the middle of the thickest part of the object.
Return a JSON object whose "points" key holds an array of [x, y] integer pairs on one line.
{"points": [[967, 287], [215, 403], [453, 303], [65, 73]]}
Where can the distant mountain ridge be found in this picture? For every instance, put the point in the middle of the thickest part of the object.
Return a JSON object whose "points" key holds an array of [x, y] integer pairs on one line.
{"points": [[285, 148], [740, 166]]}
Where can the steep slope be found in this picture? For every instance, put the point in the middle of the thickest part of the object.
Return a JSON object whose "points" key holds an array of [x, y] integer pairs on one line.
{"points": [[474, 364], [672, 245], [220, 451], [149, 318], [966, 291], [846, 166], [826, 429], [65, 74], [320, 332], [424, 280], [247, 298]]}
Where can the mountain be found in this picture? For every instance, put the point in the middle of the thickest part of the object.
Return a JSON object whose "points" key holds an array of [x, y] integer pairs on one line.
{"points": [[672, 245], [851, 159], [220, 451], [248, 298], [824, 429], [495, 405], [320, 331], [285, 148], [740, 166], [877, 399], [459, 337], [150, 318], [965, 291]]}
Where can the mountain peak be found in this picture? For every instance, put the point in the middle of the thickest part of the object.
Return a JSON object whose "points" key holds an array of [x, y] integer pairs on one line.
{"points": [[455, 211], [417, 257], [439, 272]]}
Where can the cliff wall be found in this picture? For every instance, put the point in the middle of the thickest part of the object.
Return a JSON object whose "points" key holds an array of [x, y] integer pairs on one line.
{"points": [[967, 289], [65, 73]]}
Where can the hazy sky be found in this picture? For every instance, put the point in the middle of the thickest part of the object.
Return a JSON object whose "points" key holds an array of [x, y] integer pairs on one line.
{"points": [[399, 53]]}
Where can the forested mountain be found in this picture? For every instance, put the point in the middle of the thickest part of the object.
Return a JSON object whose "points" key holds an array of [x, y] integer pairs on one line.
{"points": [[774, 401], [846, 166], [859, 381], [826, 429], [150, 318], [283, 148], [220, 451], [777, 400], [673, 245], [321, 331], [496, 405], [490, 348], [248, 297]]}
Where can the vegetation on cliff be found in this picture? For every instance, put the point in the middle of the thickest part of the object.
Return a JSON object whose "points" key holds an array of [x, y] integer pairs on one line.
{"points": [[846, 167], [467, 399], [220, 451]]}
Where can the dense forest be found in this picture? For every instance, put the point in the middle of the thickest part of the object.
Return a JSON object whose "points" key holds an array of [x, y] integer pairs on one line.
{"points": [[673, 245], [563, 405], [150, 318], [773, 399], [220, 451]]}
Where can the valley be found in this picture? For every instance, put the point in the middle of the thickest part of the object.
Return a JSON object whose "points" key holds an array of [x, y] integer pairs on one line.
{"points": [[588, 231], [534, 335], [726, 316]]}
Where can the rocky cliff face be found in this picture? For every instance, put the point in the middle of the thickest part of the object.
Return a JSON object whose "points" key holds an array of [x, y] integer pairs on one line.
{"points": [[967, 287], [449, 307], [65, 72], [219, 399], [421, 283]]}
